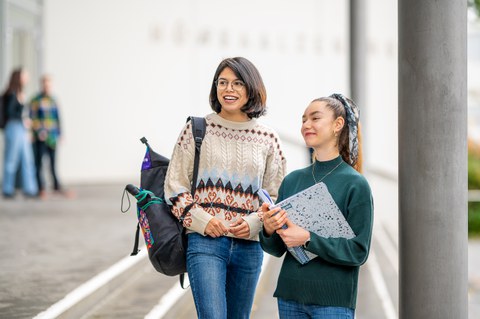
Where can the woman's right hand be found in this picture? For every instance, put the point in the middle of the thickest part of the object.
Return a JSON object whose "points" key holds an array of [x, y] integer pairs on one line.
{"points": [[273, 219], [215, 228]]}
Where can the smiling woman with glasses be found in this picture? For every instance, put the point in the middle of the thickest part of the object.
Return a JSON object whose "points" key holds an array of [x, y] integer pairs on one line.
{"points": [[240, 70], [239, 156], [236, 85]]}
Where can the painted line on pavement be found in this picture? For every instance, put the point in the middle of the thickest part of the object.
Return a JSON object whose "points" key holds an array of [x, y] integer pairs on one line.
{"points": [[176, 292], [387, 246], [87, 288], [167, 301], [381, 286]]}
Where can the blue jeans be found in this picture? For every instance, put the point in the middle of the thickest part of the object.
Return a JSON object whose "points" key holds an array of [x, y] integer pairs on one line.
{"points": [[289, 309], [18, 152], [223, 274]]}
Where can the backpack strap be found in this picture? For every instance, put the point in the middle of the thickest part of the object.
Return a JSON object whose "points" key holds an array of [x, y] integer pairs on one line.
{"points": [[199, 126]]}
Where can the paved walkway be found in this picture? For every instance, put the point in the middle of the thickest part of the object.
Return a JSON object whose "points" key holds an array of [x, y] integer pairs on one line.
{"points": [[51, 247]]}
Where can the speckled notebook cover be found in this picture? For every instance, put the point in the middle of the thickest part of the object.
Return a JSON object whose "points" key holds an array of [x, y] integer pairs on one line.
{"points": [[315, 210]]}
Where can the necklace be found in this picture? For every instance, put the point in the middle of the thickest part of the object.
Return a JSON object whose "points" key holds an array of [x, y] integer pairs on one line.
{"points": [[313, 172]]}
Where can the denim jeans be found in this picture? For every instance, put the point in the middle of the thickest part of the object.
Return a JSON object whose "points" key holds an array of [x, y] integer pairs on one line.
{"points": [[289, 309], [223, 274], [18, 152]]}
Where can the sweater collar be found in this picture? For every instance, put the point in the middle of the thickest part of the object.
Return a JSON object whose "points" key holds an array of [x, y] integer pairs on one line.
{"points": [[217, 119], [326, 166]]}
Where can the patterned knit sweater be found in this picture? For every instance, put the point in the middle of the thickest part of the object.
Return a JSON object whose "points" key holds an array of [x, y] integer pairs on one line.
{"points": [[236, 159]]}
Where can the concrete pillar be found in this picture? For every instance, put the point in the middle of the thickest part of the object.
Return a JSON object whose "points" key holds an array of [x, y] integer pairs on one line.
{"points": [[358, 69], [433, 159], [358, 45], [3, 39]]}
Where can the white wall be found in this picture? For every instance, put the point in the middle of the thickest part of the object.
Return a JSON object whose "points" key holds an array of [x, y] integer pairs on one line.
{"points": [[125, 69], [474, 77], [382, 86]]}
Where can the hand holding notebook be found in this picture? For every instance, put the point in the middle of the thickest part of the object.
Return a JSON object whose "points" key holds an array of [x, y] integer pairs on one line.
{"points": [[314, 210], [298, 252]]}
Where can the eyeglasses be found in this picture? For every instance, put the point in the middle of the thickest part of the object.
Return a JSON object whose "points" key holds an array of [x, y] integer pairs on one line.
{"points": [[237, 85]]}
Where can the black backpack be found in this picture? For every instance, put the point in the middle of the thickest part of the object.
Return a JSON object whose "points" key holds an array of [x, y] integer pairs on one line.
{"points": [[164, 234]]}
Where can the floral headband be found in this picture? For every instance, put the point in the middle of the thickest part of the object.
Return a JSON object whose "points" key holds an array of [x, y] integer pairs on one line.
{"points": [[352, 117]]}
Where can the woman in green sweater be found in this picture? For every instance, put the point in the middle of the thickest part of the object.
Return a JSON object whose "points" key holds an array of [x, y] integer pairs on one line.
{"points": [[326, 286]]}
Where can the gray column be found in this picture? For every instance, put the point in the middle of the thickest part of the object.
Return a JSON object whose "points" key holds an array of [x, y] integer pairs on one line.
{"points": [[358, 78], [433, 159], [3, 39], [358, 44]]}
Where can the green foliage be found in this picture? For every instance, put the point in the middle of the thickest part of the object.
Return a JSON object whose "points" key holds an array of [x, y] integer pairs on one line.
{"points": [[475, 4], [473, 183], [474, 219], [473, 171]]}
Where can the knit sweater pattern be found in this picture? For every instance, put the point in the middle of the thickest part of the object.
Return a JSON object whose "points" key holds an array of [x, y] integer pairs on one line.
{"points": [[236, 160], [331, 279]]}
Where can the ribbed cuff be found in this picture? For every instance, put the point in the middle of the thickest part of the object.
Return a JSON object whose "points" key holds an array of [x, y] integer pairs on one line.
{"points": [[255, 225], [200, 220]]}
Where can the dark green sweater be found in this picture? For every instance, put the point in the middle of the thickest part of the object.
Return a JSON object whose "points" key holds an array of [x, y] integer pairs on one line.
{"points": [[330, 279]]}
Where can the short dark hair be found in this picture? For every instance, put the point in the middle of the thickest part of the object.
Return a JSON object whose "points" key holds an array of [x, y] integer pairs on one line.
{"points": [[248, 73]]}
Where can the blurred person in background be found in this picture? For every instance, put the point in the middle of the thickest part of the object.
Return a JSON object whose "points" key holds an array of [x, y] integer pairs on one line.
{"points": [[238, 157], [44, 114], [18, 148], [326, 286]]}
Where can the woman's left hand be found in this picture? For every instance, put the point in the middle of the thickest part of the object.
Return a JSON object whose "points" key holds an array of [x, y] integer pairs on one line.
{"points": [[294, 235], [27, 122], [240, 228]]}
